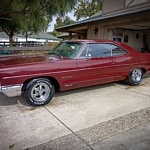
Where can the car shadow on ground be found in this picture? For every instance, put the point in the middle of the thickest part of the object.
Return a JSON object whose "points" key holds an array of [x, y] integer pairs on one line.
{"points": [[6, 101], [83, 89], [146, 76]]}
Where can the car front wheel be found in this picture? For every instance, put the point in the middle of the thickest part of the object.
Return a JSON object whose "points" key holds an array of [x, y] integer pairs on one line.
{"points": [[39, 92], [135, 76]]}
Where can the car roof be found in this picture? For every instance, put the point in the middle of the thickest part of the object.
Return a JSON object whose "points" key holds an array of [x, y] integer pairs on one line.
{"points": [[123, 45], [93, 41]]}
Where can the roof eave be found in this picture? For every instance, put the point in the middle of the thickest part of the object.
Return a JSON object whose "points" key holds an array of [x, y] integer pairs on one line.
{"points": [[100, 18]]}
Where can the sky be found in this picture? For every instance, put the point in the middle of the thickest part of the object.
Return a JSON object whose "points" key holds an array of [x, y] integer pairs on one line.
{"points": [[51, 25]]}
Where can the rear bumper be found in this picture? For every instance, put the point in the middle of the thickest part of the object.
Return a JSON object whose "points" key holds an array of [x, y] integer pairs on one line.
{"points": [[11, 90]]}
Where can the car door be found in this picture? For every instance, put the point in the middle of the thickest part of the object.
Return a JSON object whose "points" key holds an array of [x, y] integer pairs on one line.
{"points": [[95, 65]]}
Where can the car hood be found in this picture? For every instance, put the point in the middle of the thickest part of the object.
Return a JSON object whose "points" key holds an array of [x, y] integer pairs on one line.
{"points": [[6, 61]]}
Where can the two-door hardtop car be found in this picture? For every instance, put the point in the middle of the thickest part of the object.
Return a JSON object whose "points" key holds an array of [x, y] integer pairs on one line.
{"points": [[71, 64]]}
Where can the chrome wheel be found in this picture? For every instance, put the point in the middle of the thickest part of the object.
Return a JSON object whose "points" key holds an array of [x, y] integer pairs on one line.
{"points": [[136, 75], [40, 92]]}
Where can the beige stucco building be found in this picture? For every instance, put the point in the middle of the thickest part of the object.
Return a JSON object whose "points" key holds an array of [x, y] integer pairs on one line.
{"points": [[127, 21]]}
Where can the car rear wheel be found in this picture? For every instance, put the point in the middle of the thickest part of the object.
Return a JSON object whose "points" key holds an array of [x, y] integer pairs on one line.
{"points": [[39, 92], [135, 76]]}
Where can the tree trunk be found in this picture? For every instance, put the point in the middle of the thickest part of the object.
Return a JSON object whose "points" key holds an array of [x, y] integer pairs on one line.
{"points": [[26, 37], [10, 34], [11, 40]]}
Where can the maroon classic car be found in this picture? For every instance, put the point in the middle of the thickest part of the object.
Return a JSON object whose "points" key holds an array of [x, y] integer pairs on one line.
{"points": [[71, 64]]}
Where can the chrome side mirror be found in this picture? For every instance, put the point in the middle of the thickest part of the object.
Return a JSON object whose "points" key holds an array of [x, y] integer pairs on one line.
{"points": [[89, 56]]}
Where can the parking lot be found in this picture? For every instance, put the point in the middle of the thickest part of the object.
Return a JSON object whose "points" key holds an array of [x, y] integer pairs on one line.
{"points": [[74, 119]]}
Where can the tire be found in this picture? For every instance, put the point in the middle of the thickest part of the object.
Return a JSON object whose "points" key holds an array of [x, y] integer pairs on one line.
{"points": [[135, 77], [39, 92]]}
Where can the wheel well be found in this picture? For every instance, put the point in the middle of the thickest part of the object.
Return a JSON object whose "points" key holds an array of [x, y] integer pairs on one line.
{"points": [[53, 80], [144, 70]]}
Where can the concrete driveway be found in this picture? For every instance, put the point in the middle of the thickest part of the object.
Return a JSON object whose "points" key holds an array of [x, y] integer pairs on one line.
{"points": [[74, 119]]}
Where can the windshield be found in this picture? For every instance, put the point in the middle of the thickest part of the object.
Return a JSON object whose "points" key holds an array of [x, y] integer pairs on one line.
{"points": [[67, 49]]}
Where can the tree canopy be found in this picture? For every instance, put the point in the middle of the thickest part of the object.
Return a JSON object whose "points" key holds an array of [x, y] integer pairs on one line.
{"points": [[22, 7], [30, 15], [87, 8]]}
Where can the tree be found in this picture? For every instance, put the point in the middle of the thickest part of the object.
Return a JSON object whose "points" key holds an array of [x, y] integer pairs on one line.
{"points": [[61, 22], [24, 15], [50, 7], [87, 8], [33, 24], [10, 27]]}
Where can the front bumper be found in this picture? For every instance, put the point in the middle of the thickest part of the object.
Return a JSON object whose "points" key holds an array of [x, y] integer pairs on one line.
{"points": [[11, 90]]}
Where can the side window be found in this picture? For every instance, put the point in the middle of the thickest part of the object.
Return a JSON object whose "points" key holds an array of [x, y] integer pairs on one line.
{"points": [[97, 50], [116, 50]]}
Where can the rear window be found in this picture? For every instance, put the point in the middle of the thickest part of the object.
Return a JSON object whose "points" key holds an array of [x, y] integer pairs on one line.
{"points": [[116, 50]]}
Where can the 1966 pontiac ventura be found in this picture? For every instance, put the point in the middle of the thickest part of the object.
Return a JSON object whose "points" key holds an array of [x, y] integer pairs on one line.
{"points": [[71, 64]]}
